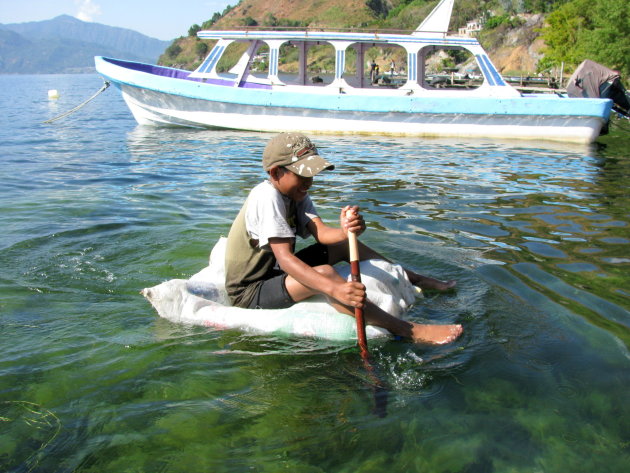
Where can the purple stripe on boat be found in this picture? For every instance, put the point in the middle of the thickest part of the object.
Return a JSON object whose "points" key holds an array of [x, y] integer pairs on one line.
{"points": [[180, 74]]}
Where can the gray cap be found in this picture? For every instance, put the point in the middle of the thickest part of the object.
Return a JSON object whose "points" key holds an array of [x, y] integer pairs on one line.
{"points": [[295, 152]]}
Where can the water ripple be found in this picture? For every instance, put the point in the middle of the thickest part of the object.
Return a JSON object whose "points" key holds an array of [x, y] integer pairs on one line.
{"points": [[94, 208]]}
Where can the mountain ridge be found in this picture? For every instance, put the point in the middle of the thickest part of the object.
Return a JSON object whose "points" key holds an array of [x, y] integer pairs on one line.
{"points": [[66, 44]]}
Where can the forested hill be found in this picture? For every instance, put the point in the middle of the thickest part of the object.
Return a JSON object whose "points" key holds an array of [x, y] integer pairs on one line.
{"points": [[521, 36], [66, 44]]}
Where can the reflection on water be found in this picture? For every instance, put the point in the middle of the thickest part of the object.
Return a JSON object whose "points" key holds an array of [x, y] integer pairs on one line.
{"points": [[96, 208]]}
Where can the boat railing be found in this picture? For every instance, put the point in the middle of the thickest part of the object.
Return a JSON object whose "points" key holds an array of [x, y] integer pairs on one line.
{"points": [[316, 29]]}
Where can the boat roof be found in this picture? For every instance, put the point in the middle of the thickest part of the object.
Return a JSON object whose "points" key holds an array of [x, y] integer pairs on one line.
{"points": [[329, 36]]}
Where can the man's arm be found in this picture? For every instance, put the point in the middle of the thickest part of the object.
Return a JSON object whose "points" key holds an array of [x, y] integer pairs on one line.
{"points": [[325, 234], [298, 269], [311, 281], [348, 221]]}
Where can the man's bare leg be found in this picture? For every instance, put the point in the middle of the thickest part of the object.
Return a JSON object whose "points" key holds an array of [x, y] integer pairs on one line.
{"points": [[425, 282], [374, 315], [340, 253], [419, 333]]}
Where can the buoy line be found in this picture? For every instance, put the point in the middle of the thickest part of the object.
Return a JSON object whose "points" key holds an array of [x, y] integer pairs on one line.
{"points": [[105, 86]]}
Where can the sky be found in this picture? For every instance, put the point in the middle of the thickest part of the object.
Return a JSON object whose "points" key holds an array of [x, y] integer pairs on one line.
{"points": [[161, 19]]}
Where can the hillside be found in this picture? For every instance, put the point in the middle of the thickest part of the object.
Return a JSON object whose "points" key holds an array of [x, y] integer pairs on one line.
{"points": [[187, 52], [66, 44], [306, 13], [517, 49], [514, 50]]}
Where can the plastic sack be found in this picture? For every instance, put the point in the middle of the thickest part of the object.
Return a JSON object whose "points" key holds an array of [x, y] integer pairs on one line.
{"points": [[202, 300]]}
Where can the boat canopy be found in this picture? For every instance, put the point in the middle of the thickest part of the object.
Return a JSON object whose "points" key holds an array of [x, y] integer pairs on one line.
{"points": [[417, 48], [420, 54]]}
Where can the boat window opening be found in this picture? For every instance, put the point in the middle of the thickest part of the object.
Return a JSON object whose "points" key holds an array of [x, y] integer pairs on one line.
{"points": [[453, 68], [351, 63], [231, 56], [289, 59], [384, 66], [259, 62], [306, 63], [290, 62], [320, 64]]}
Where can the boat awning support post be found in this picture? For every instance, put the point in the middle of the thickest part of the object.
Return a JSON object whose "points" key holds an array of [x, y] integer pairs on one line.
{"points": [[340, 62], [302, 62], [274, 54], [360, 48]]}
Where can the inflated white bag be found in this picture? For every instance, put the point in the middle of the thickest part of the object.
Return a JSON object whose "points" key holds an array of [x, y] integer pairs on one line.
{"points": [[202, 300]]}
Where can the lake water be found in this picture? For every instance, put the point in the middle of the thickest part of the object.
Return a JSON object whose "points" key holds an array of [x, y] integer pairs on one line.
{"points": [[95, 208]]}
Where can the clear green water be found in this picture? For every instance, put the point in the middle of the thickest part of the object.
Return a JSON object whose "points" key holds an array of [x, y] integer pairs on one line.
{"points": [[95, 208]]}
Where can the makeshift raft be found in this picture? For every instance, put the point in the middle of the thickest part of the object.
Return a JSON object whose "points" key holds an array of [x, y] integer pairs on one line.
{"points": [[202, 300]]}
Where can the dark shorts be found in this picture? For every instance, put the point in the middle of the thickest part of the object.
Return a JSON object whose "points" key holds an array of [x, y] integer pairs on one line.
{"points": [[273, 294]]}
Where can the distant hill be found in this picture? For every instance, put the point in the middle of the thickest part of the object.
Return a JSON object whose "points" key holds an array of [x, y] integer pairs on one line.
{"points": [[66, 44]]}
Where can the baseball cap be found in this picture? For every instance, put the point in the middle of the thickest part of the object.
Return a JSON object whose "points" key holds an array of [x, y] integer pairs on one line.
{"points": [[295, 152]]}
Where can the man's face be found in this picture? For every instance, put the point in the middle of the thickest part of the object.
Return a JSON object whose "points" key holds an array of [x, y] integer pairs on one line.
{"points": [[293, 186]]}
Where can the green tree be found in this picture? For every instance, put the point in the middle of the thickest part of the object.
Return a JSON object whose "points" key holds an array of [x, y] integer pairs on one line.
{"points": [[564, 35], [201, 49], [207, 24], [270, 20], [541, 6], [249, 21], [609, 40], [495, 21], [379, 7], [579, 30], [194, 29], [173, 50]]}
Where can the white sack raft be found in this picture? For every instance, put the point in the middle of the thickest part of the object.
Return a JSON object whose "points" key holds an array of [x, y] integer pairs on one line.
{"points": [[202, 300]]}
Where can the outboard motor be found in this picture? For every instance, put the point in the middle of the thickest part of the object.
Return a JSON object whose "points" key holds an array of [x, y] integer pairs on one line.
{"points": [[618, 94]]}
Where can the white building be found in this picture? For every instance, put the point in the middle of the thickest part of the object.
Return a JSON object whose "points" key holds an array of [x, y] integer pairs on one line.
{"points": [[471, 28]]}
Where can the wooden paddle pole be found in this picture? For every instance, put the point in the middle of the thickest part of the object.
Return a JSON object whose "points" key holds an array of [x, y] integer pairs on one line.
{"points": [[380, 391], [355, 272]]}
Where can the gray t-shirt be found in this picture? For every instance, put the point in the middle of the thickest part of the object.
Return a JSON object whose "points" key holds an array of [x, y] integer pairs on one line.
{"points": [[248, 259], [267, 215]]}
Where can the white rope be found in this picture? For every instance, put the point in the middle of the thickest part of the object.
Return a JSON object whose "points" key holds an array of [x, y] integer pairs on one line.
{"points": [[105, 86]]}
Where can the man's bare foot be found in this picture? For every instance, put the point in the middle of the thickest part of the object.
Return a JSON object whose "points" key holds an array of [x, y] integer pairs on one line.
{"points": [[436, 334], [431, 284]]}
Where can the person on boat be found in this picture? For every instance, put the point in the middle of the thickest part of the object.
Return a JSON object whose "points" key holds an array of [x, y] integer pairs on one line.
{"points": [[264, 271], [373, 72]]}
